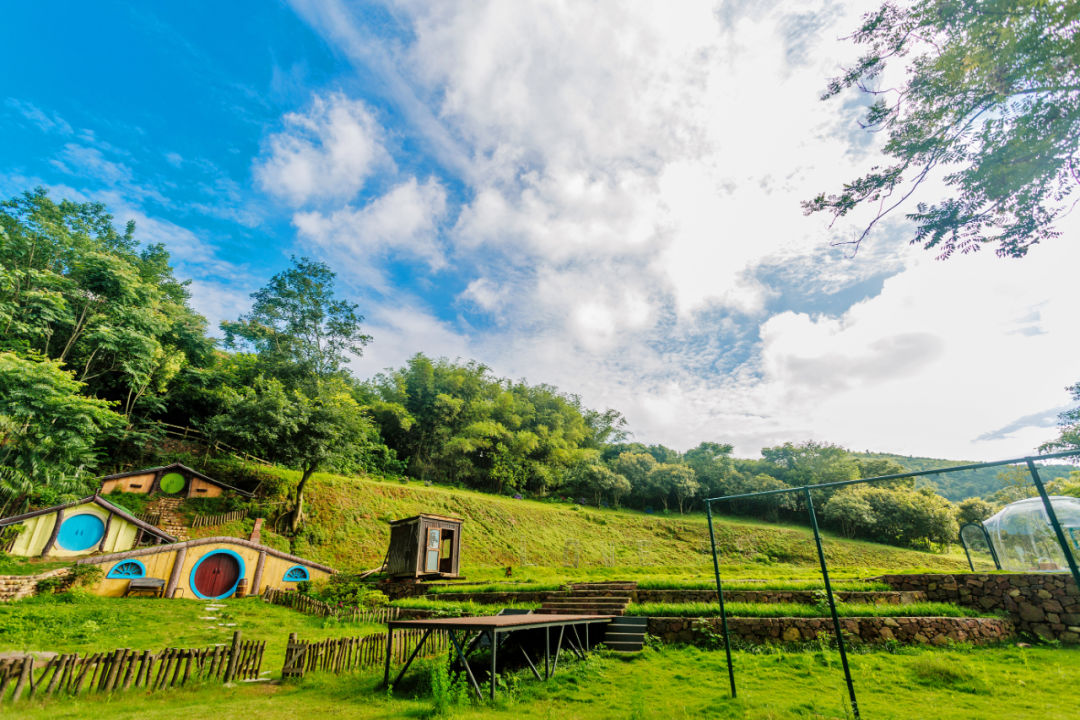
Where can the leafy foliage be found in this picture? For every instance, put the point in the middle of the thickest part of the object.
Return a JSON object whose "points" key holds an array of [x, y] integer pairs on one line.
{"points": [[990, 105]]}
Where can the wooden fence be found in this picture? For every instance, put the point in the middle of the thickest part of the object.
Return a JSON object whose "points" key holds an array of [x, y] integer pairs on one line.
{"points": [[338, 655], [125, 668], [208, 520], [149, 518], [182, 432], [311, 606]]}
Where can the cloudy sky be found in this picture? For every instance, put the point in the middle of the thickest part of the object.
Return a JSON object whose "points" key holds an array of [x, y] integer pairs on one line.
{"points": [[599, 195]]}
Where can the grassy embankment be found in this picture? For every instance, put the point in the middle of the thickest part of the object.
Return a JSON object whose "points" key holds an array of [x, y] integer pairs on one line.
{"points": [[1036, 683], [347, 529], [79, 622]]}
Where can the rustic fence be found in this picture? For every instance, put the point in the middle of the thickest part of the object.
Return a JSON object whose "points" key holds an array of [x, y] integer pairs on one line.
{"points": [[221, 519], [149, 518], [339, 655], [318, 608], [125, 668], [181, 432]]}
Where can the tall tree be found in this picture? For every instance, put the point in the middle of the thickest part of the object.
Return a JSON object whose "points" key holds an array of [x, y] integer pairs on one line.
{"points": [[990, 106], [298, 321], [1069, 423]]}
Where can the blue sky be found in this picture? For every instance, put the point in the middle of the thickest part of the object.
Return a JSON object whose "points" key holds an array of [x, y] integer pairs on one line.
{"points": [[600, 196]]}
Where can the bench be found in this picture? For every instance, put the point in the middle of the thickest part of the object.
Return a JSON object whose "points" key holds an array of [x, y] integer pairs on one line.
{"points": [[154, 586]]}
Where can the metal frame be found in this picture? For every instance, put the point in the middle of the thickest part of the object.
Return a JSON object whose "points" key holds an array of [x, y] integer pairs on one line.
{"points": [[466, 645], [805, 489], [989, 544]]}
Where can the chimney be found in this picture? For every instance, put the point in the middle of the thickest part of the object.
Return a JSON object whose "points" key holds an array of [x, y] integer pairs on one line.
{"points": [[256, 532]]}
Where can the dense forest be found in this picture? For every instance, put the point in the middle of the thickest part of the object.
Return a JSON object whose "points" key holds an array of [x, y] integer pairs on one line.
{"points": [[101, 355]]}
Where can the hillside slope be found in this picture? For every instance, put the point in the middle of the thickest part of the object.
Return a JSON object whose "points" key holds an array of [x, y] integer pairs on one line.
{"points": [[347, 528]]}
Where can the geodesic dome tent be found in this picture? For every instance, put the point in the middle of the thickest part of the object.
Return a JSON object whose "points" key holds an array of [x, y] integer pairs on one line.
{"points": [[1024, 539]]}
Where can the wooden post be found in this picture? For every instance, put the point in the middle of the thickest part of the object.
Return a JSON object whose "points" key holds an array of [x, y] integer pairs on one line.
{"points": [[230, 669], [24, 676], [55, 531], [256, 581], [177, 568], [118, 661], [105, 536]]}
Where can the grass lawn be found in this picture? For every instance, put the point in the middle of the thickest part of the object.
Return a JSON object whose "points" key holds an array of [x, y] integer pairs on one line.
{"points": [[1038, 683], [79, 622], [772, 610]]}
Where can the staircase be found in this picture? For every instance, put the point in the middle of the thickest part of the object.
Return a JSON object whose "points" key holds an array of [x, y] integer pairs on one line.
{"points": [[606, 598], [626, 634], [170, 522]]}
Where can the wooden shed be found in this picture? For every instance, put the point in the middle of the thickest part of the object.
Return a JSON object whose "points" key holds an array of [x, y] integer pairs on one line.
{"points": [[177, 480], [424, 546]]}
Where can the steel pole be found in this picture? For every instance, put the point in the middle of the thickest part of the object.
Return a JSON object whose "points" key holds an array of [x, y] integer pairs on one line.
{"points": [[1054, 522], [720, 595], [832, 605]]}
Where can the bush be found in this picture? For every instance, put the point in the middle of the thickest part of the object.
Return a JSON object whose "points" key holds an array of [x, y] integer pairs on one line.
{"points": [[348, 590]]}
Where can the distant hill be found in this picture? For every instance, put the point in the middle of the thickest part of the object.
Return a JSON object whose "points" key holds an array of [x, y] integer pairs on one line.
{"points": [[957, 486]]}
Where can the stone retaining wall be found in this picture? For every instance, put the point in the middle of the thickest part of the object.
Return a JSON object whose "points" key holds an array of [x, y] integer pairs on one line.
{"points": [[931, 630], [491, 598], [17, 587], [1043, 604]]}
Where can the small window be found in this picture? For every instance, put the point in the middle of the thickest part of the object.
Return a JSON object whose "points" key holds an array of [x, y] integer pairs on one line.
{"points": [[127, 569], [297, 573]]}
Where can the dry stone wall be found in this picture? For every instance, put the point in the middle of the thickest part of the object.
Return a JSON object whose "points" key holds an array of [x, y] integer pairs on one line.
{"points": [[17, 587], [802, 597], [1043, 604], [928, 630]]}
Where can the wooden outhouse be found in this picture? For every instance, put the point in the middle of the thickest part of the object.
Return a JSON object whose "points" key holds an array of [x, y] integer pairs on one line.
{"points": [[177, 480], [424, 546], [85, 526]]}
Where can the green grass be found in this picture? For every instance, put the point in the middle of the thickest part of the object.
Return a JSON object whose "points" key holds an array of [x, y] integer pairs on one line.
{"points": [[79, 622], [467, 608], [672, 683], [737, 609], [792, 585], [347, 528], [12, 565]]}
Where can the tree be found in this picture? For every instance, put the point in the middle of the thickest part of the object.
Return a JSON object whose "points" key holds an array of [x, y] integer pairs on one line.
{"points": [[323, 427], [990, 105], [668, 479], [973, 510], [1069, 421], [849, 511], [297, 321], [713, 466], [47, 426], [75, 290], [635, 467]]}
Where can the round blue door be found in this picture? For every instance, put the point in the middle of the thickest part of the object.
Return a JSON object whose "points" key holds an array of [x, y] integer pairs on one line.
{"points": [[81, 532]]}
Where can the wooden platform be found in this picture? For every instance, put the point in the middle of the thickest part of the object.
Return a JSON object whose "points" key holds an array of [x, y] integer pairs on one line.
{"points": [[495, 631]]}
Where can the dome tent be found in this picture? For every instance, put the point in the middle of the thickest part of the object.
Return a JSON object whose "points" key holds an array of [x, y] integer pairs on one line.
{"points": [[1024, 539]]}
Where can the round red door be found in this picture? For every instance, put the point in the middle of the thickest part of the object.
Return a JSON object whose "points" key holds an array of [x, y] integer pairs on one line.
{"points": [[216, 575]]}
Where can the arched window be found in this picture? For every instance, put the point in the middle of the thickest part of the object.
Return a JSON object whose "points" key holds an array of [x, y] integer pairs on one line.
{"points": [[127, 569], [297, 573]]}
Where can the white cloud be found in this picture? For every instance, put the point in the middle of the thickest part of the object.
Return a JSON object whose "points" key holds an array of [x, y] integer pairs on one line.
{"points": [[402, 223], [629, 171], [77, 159], [325, 153]]}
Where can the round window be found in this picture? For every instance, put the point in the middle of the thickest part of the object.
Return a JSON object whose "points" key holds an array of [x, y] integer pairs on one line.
{"points": [[80, 532], [172, 483]]}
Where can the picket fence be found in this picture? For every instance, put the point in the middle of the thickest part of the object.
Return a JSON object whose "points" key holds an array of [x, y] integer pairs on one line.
{"points": [[221, 519], [125, 668], [318, 608], [339, 655]]}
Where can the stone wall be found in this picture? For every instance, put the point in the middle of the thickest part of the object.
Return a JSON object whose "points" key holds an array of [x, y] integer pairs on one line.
{"points": [[491, 598], [1043, 604], [931, 630], [17, 587]]}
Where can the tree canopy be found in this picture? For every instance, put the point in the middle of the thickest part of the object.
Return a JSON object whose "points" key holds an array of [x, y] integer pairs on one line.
{"points": [[990, 107]]}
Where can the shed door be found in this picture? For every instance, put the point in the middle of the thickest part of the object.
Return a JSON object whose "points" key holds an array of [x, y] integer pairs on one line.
{"points": [[216, 575], [431, 552]]}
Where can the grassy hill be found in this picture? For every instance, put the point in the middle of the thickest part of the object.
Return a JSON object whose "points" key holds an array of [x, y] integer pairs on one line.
{"points": [[543, 541], [957, 486]]}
